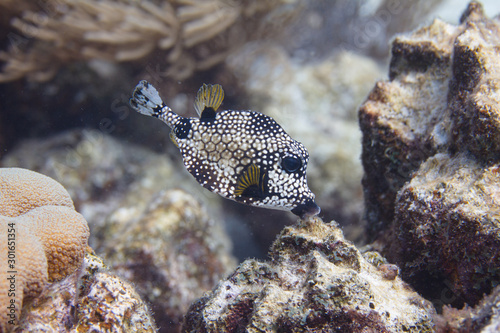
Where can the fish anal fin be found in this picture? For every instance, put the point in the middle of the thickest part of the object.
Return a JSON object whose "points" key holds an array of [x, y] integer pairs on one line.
{"points": [[250, 183], [208, 100]]}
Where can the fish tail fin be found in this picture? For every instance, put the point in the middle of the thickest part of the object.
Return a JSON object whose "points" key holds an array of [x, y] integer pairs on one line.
{"points": [[209, 97], [146, 100]]}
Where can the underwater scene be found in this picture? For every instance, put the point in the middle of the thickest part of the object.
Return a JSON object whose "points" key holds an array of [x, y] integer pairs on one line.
{"points": [[250, 166]]}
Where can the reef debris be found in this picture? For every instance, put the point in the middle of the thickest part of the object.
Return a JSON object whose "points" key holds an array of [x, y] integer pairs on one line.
{"points": [[91, 299], [431, 147], [315, 281]]}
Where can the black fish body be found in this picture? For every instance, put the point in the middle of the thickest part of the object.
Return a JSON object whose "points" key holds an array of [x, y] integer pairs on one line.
{"points": [[242, 155]]}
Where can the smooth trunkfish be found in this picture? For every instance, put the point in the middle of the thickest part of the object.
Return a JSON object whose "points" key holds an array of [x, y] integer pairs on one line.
{"points": [[244, 156]]}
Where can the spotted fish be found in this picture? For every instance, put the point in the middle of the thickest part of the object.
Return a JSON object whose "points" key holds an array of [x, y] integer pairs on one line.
{"points": [[241, 155]]}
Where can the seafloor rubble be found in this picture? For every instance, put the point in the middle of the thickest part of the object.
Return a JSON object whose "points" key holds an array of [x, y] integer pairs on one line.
{"points": [[92, 299], [315, 281], [173, 252], [431, 148]]}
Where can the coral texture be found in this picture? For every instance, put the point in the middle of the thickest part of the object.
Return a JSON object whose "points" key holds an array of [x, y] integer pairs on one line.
{"points": [[173, 252], [91, 299], [316, 281], [431, 149], [42, 231], [23, 190], [159, 238], [195, 35]]}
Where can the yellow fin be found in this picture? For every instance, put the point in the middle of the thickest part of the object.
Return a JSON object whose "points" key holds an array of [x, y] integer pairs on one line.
{"points": [[250, 177], [209, 96], [172, 137]]}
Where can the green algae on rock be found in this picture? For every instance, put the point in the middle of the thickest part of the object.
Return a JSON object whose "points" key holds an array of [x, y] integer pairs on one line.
{"points": [[90, 300], [315, 281], [431, 147]]}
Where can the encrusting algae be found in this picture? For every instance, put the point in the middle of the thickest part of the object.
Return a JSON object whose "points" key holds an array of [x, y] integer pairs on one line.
{"points": [[242, 155]]}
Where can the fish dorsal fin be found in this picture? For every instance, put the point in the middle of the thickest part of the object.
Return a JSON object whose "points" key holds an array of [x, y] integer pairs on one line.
{"points": [[208, 100], [250, 183]]}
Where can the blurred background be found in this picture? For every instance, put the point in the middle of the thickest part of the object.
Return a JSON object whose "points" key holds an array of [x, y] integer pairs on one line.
{"points": [[68, 69]]}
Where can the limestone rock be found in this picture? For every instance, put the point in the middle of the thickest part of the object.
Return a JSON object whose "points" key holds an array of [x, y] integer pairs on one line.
{"points": [[90, 300], [447, 229], [484, 318], [431, 148], [315, 281]]}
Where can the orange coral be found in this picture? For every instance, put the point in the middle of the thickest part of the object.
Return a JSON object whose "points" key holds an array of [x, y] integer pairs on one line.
{"points": [[43, 234]]}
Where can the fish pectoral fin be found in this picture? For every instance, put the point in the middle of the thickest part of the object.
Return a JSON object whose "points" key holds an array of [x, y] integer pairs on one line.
{"points": [[208, 100], [172, 138], [250, 183]]}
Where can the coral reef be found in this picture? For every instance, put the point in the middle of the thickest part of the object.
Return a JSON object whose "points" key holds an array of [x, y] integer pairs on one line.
{"points": [[143, 222], [43, 235], [23, 190], [172, 252], [316, 104], [431, 149], [91, 299], [316, 281], [191, 35]]}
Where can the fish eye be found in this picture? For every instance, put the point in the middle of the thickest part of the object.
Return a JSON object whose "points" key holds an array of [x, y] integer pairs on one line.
{"points": [[291, 164]]}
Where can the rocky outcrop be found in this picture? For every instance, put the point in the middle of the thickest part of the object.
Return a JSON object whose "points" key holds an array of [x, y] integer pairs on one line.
{"points": [[315, 281], [431, 148]]}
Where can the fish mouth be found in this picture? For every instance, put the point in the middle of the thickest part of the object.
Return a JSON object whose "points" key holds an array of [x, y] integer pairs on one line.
{"points": [[309, 208]]}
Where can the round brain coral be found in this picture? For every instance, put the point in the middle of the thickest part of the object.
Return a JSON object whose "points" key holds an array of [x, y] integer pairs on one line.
{"points": [[22, 190], [46, 237]]}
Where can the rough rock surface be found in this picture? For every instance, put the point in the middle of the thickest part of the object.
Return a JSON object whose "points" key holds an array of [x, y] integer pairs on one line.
{"points": [[173, 252], [315, 281], [448, 229], [431, 147], [484, 318], [90, 300]]}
